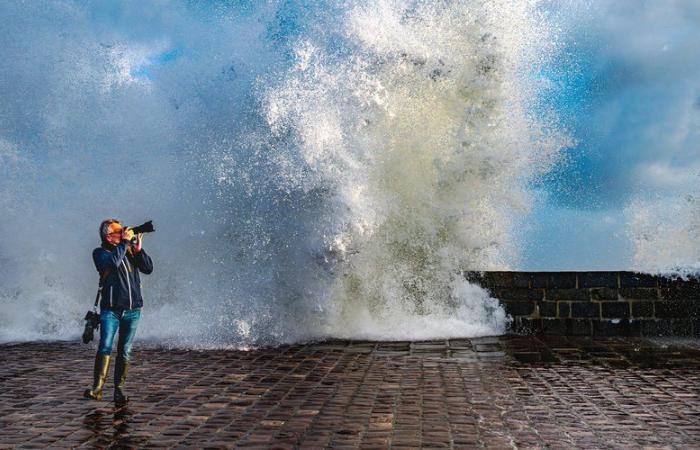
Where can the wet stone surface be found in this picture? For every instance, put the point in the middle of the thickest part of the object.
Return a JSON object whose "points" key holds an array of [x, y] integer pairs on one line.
{"points": [[500, 392]]}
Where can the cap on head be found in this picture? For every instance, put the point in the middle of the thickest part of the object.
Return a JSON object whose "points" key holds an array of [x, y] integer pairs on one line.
{"points": [[109, 226]]}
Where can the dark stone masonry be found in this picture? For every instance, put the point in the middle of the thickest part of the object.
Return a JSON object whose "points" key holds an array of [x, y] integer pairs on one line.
{"points": [[596, 303], [557, 392]]}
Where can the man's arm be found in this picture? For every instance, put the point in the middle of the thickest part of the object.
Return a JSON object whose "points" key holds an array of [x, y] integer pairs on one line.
{"points": [[105, 260], [143, 262]]}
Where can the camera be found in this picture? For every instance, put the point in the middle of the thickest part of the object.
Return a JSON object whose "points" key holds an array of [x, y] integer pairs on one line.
{"points": [[92, 323], [146, 227]]}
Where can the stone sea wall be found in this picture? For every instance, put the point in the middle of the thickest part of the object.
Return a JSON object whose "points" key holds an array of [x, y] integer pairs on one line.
{"points": [[596, 303]]}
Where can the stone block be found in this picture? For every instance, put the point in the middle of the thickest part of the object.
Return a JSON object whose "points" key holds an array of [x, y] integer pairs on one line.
{"points": [[585, 310], [677, 281], [518, 294], [633, 280], [524, 325], [681, 291], [539, 279], [642, 309], [568, 294], [521, 279], [676, 309], [682, 327], [670, 327], [604, 294], [499, 279], [598, 279], [615, 310], [522, 357], [564, 309], [578, 327], [553, 326], [562, 280], [655, 327], [547, 309], [639, 293], [617, 327], [518, 308]]}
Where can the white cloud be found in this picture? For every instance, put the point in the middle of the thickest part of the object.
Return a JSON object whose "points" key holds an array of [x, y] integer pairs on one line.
{"points": [[663, 176]]}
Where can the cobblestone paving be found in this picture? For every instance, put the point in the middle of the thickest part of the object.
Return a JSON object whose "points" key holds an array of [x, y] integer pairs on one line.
{"points": [[503, 392]]}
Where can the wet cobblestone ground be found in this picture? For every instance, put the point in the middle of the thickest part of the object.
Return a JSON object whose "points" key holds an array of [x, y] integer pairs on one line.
{"points": [[503, 392]]}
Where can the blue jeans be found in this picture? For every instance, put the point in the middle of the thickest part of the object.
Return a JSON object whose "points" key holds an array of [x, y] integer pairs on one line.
{"points": [[126, 321]]}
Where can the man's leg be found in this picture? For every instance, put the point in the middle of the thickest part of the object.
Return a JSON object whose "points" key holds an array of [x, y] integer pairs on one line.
{"points": [[108, 328], [127, 331]]}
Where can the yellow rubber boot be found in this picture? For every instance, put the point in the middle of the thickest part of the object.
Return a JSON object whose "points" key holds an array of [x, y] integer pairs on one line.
{"points": [[99, 377], [121, 367]]}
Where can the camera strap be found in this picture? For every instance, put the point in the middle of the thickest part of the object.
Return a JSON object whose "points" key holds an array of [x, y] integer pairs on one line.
{"points": [[103, 277]]}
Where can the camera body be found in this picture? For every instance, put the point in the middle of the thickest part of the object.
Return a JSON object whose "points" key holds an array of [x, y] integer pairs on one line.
{"points": [[92, 323]]}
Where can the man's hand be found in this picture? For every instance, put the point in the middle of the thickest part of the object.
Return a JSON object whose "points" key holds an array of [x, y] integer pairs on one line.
{"points": [[139, 241], [127, 234]]}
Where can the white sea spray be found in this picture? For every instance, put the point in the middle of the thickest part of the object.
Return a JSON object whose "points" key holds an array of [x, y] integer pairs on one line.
{"points": [[312, 171]]}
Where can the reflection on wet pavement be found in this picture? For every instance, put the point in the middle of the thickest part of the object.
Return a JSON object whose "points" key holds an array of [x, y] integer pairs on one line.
{"points": [[109, 426], [508, 391]]}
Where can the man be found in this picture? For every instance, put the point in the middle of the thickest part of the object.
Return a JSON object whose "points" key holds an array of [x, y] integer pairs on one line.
{"points": [[118, 260]]}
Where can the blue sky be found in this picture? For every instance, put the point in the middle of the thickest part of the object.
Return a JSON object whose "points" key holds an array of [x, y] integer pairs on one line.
{"points": [[627, 85]]}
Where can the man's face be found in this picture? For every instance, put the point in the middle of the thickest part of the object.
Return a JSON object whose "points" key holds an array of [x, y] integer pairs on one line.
{"points": [[114, 238], [114, 234]]}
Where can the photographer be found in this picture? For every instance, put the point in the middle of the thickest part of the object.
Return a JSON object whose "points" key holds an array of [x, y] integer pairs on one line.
{"points": [[119, 260]]}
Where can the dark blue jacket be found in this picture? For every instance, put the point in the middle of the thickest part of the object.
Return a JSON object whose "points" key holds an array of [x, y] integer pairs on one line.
{"points": [[122, 286]]}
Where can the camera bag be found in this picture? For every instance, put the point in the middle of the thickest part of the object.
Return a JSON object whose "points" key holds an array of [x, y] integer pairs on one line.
{"points": [[92, 318]]}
